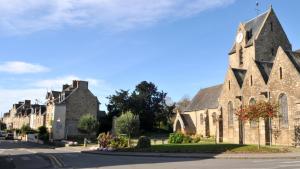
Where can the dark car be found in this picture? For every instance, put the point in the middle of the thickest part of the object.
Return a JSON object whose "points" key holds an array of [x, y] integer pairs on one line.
{"points": [[9, 136]]}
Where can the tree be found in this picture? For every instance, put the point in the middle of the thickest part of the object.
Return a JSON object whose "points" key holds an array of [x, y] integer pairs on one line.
{"points": [[128, 124], [43, 133], [257, 111], [182, 104], [88, 124], [150, 105], [146, 102], [118, 103]]}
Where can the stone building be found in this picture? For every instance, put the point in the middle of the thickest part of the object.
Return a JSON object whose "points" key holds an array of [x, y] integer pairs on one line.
{"points": [[200, 117], [25, 113], [262, 67], [64, 109]]}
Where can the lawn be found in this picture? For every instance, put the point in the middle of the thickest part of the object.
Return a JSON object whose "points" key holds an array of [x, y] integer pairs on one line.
{"points": [[209, 148]]}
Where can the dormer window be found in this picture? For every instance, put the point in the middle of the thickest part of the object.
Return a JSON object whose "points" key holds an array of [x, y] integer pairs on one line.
{"points": [[272, 51]]}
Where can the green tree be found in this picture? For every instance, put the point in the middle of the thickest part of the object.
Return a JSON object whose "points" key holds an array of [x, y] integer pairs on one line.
{"points": [[118, 103], [128, 124], [88, 124], [43, 133]]}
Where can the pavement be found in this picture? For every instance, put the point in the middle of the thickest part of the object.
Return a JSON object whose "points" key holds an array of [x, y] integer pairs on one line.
{"points": [[22, 155], [202, 155]]}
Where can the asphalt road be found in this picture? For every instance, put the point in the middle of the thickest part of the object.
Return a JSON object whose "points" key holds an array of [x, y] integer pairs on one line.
{"points": [[20, 155]]}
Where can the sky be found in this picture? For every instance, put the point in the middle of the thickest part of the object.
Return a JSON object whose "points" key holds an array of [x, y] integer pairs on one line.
{"points": [[180, 45]]}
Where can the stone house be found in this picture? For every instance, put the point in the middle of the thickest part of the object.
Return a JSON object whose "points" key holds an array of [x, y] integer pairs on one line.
{"points": [[24, 113], [64, 109], [262, 67]]}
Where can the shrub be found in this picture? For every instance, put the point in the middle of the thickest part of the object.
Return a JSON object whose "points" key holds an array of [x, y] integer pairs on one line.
{"points": [[118, 142], [104, 139], [187, 139], [196, 139], [144, 142], [176, 138], [43, 133], [25, 129]]}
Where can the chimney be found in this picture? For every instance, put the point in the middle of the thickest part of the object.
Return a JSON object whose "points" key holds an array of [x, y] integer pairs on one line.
{"points": [[65, 86], [75, 85], [83, 84]]}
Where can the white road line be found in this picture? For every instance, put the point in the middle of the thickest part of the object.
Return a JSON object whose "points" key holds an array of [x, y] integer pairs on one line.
{"points": [[290, 165], [263, 161]]}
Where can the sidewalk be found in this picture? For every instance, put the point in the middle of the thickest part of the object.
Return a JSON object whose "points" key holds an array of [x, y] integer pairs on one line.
{"points": [[202, 155]]}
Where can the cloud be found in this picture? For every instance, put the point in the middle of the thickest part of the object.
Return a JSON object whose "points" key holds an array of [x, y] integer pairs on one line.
{"points": [[25, 16], [37, 90], [18, 67]]}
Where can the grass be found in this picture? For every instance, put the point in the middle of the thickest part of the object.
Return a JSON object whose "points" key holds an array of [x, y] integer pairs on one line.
{"points": [[209, 148]]}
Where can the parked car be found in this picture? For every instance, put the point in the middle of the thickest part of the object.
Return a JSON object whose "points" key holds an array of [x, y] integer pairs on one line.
{"points": [[3, 135], [9, 136]]}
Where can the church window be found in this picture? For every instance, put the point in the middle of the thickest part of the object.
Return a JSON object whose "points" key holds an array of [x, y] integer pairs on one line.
{"points": [[249, 35], [271, 26], [229, 85], [283, 110], [280, 73], [253, 123], [230, 114], [214, 117], [241, 58], [201, 119], [251, 81]]}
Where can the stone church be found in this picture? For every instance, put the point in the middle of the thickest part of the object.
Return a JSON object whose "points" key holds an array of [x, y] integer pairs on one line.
{"points": [[262, 67]]}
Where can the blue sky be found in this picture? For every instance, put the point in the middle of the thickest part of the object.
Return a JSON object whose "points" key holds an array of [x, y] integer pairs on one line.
{"points": [[180, 45]]}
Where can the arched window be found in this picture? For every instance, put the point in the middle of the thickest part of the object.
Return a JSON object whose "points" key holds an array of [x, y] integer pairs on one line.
{"points": [[214, 117], [230, 114], [201, 119], [283, 110], [253, 123]]}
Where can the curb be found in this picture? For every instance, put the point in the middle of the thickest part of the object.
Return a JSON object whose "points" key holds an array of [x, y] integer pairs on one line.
{"points": [[196, 156]]}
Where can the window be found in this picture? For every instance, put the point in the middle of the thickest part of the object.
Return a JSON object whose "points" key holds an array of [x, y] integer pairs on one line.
{"points": [[271, 26], [229, 85], [214, 117], [280, 73], [253, 123], [201, 119], [283, 111], [249, 34], [251, 80], [241, 58], [230, 114]]}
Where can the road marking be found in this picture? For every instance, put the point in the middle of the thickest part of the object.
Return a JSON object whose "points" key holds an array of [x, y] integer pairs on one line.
{"points": [[9, 159], [289, 162], [25, 158], [55, 161], [289, 165]]}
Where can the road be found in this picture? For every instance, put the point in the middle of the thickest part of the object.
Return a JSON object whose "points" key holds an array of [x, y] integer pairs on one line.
{"points": [[20, 155]]}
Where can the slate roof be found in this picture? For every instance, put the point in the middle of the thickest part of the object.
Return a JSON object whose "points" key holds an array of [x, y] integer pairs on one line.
{"points": [[205, 99], [265, 69], [253, 25], [295, 59], [297, 51], [239, 75]]}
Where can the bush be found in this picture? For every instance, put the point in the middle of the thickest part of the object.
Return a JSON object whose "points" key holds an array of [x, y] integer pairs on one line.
{"points": [[118, 142], [88, 124], [104, 139], [187, 139], [196, 139], [25, 129], [176, 138], [43, 133], [144, 142]]}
